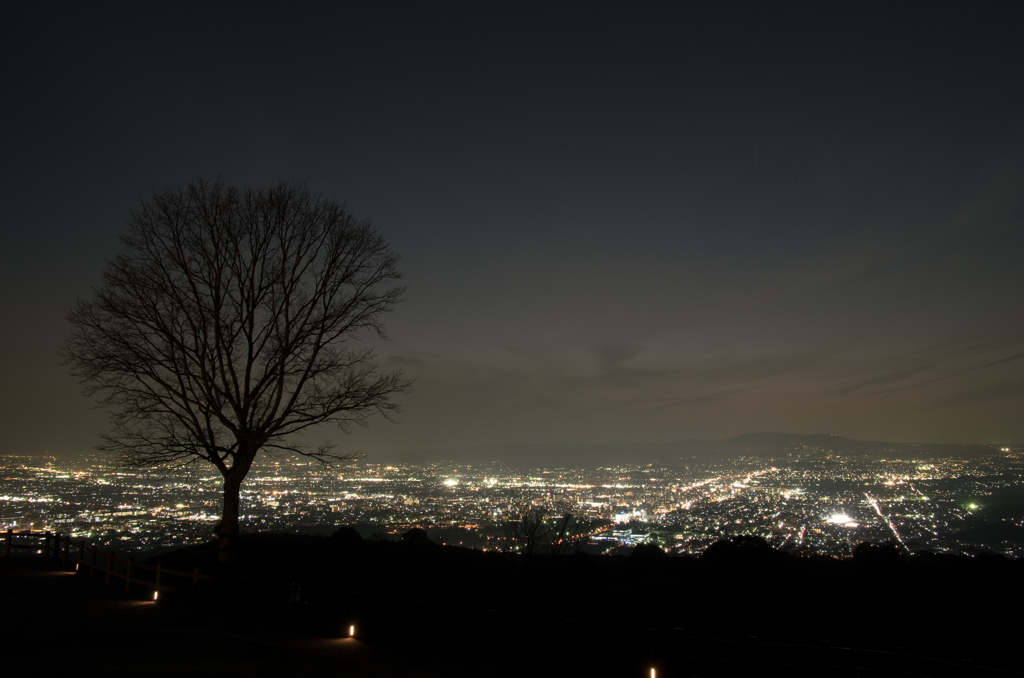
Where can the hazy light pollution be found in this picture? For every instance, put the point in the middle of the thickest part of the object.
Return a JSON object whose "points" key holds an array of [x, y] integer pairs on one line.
{"points": [[617, 222]]}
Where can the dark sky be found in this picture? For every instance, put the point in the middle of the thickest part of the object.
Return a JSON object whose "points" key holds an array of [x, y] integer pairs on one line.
{"points": [[619, 222]]}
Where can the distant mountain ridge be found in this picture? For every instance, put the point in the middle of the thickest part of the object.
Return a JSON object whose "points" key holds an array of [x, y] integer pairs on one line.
{"points": [[681, 452]]}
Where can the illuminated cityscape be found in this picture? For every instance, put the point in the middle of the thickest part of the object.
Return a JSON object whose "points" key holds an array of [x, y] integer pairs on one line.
{"points": [[439, 340], [815, 503]]}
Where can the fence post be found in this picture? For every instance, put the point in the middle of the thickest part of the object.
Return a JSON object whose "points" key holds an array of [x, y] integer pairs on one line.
{"points": [[110, 564], [67, 547], [158, 567], [195, 577], [128, 577], [81, 552], [46, 545], [92, 564], [7, 541]]}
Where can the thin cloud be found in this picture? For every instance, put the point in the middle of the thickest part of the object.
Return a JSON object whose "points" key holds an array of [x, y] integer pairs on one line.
{"points": [[898, 375], [612, 357], [1001, 391], [406, 361], [888, 392]]}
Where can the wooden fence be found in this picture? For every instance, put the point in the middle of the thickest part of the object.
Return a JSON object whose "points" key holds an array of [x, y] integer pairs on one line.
{"points": [[82, 556]]}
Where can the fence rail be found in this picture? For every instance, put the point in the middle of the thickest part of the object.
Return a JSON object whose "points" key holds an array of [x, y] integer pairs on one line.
{"points": [[60, 547]]}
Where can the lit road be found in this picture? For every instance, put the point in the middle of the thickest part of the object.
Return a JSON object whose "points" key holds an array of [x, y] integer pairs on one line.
{"points": [[885, 518]]}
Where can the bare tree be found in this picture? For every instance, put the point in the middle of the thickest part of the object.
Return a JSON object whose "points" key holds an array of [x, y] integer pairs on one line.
{"points": [[568, 535], [534, 531], [528, 533], [229, 322]]}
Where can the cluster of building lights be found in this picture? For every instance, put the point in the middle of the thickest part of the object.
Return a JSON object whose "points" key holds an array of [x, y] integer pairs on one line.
{"points": [[817, 501]]}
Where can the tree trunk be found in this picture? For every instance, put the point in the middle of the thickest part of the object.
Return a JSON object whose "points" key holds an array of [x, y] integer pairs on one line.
{"points": [[227, 528]]}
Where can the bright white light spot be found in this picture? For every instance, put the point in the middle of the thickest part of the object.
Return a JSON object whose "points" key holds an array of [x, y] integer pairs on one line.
{"points": [[451, 482], [838, 518], [352, 631], [156, 594]]}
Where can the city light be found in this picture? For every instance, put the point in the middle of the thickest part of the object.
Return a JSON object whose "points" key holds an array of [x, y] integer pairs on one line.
{"points": [[801, 507]]}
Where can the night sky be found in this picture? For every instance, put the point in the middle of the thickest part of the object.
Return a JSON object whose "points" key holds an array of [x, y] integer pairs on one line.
{"points": [[631, 222]]}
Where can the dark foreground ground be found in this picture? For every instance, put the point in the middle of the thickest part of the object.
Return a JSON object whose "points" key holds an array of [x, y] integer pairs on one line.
{"points": [[57, 623], [424, 610]]}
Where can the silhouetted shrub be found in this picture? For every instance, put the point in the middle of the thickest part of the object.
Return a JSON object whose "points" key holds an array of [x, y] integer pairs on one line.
{"points": [[648, 551], [741, 549], [879, 554], [346, 536], [417, 538]]}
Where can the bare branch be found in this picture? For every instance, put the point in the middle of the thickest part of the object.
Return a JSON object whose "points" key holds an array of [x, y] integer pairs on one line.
{"points": [[228, 322]]}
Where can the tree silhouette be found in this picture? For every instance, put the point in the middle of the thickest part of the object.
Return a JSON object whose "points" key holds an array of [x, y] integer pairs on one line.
{"points": [[228, 322], [417, 538], [534, 531], [648, 551]]}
